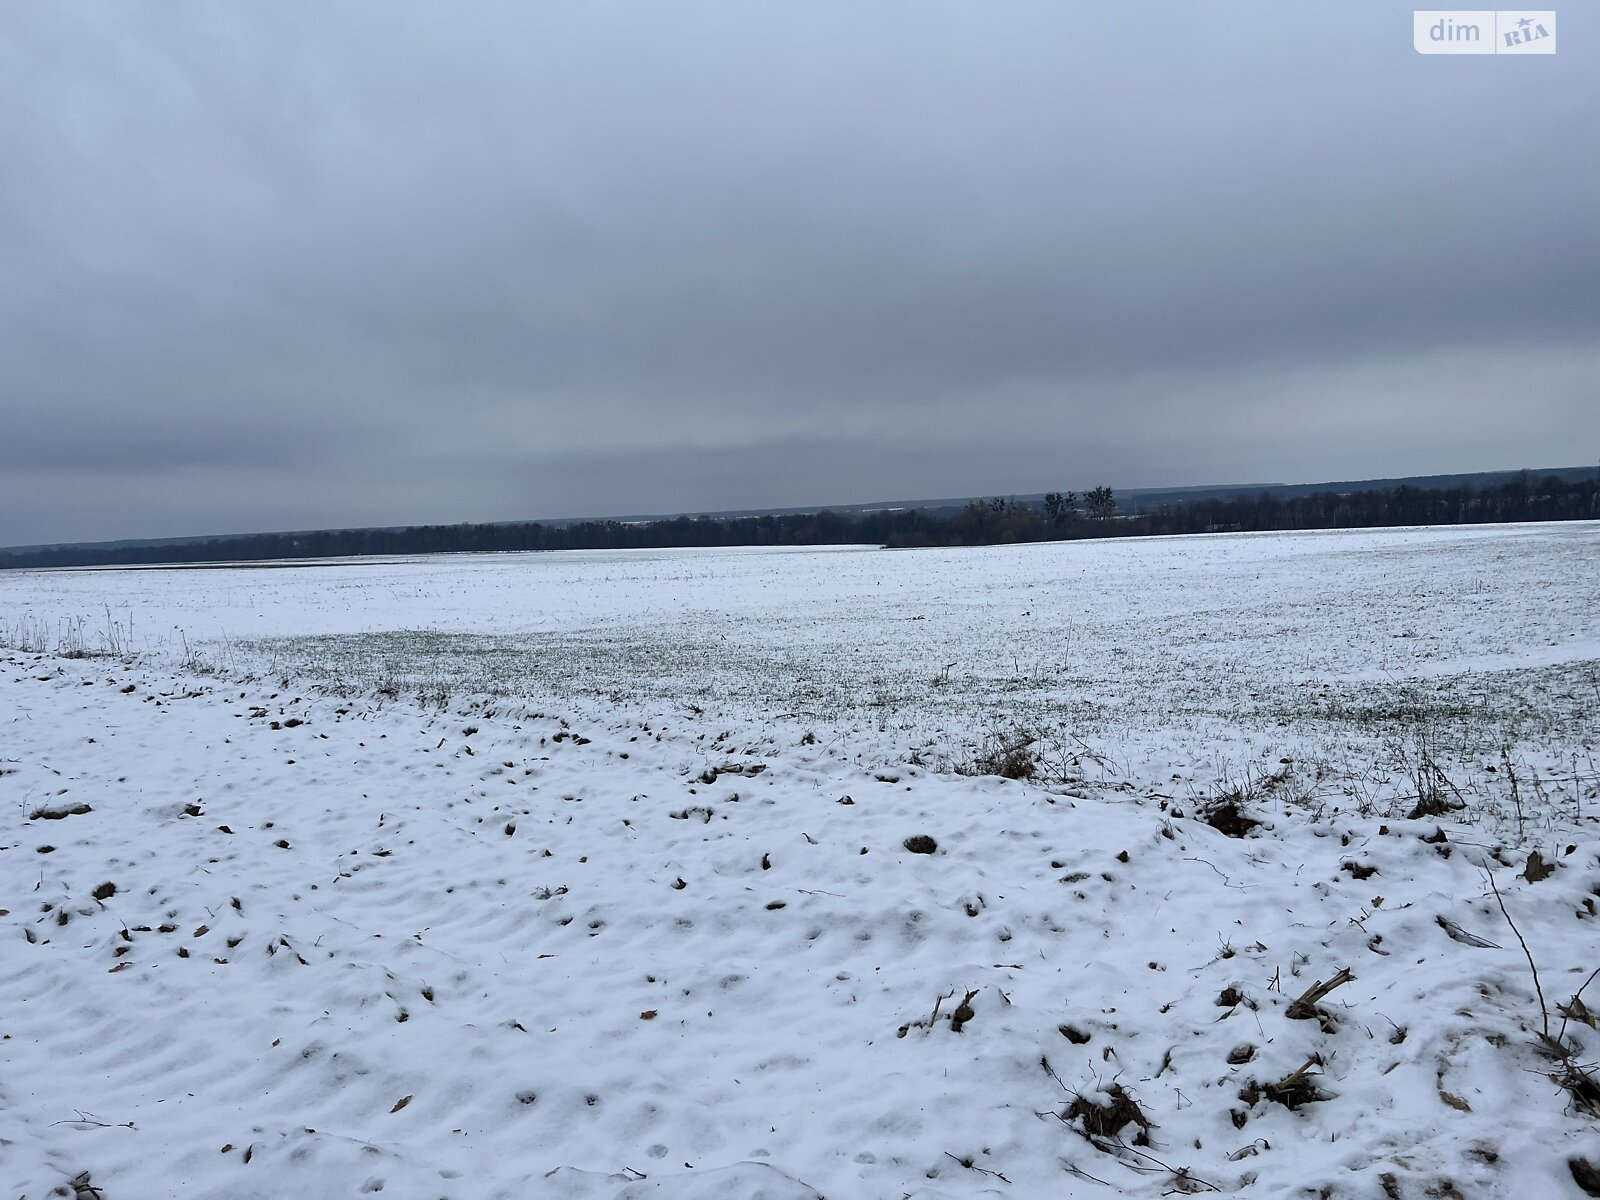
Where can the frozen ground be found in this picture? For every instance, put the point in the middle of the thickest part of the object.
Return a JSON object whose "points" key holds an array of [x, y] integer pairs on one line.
{"points": [[585, 875]]}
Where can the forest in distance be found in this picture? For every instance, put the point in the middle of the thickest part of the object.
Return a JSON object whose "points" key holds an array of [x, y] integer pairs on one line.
{"points": [[1061, 516]]}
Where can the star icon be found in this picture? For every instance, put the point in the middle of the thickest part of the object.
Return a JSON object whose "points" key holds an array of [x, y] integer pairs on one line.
{"points": [[1525, 22]]}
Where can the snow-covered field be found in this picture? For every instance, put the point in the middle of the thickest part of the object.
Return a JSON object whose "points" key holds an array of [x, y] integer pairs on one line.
{"points": [[586, 875]]}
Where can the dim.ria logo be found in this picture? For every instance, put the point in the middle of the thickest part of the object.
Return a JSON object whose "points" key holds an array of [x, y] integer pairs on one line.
{"points": [[1484, 31]]}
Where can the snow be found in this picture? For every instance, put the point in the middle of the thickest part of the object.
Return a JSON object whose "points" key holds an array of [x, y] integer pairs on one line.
{"points": [[585, 875]]}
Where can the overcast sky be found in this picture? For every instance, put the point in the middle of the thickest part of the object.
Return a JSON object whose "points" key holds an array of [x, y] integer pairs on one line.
{"points": [[281, 266]]}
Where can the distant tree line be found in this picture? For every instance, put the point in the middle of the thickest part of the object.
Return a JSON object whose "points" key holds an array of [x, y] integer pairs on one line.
{"points": [[1061, 516], [1064, 516], [1521, 498]]}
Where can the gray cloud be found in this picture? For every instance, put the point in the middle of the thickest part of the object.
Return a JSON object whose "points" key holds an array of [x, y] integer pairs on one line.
{"points": [[367, 263]]}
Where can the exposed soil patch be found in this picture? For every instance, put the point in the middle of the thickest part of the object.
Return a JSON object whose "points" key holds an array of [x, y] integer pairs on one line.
{"points": [[59, 812], [1226, 818], [1110, 1119]]}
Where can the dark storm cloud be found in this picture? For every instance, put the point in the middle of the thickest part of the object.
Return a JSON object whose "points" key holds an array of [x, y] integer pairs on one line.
{"points": [[309, 265]]}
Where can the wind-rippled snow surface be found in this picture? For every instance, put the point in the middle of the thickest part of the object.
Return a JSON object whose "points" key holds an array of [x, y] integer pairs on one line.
{"points": [[585, 875]]}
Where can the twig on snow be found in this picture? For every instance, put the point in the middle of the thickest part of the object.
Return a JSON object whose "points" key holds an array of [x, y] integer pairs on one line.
{"points": [[1544, 1009], [87, 1119], [972, 1166], [1226, 881]]}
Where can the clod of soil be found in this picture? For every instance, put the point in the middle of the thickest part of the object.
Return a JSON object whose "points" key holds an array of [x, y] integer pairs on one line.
{"points": [[1537, 869], [1357, 871], [1073, 1034], [1585, 1174], [1431, 805], [1108, 1120], [710, 774], [963, 1013], [60, 813], [1226, 818], [105, 891], [920, 844]]}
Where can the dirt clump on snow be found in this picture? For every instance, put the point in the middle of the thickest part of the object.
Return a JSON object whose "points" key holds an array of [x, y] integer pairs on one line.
{"points": [[1110, 1119], [1226, 818]]}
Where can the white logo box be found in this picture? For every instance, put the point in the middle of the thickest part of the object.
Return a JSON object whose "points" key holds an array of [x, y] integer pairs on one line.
{"points": [[1483, 31]]}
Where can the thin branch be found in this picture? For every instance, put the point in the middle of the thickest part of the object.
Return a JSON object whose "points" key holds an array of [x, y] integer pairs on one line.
{"points": [[94, 1122], [1226, 881], [1051, 1071], [1082, 1174], [972, 1166], [1573, 1005], [1544, 1010], [1180, 1172], [933, 1020]]}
